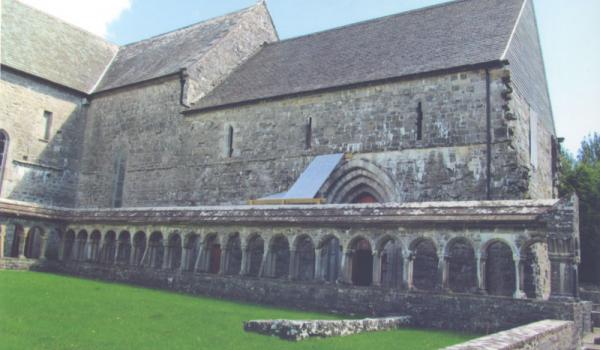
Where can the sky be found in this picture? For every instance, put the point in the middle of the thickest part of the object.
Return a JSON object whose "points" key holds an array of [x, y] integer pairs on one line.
{"points": [[569, 30]]}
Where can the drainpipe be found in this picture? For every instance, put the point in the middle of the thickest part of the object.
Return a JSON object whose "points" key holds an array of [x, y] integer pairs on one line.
{"points": [[488, 119], [183, 80]]}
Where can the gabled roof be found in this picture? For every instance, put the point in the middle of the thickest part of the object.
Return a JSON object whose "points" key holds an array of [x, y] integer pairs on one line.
{"points": [[41, 45], [459, 33], [167, 53]]}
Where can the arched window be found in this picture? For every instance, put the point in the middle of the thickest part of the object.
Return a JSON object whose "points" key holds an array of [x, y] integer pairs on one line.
{"points": [[3, 154], [119, 180], [229, 141]]}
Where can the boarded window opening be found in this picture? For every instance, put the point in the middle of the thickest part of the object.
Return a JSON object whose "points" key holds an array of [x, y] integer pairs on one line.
{"points": [[48, 125], [119, 173], [230, 142], [308, 140], [419, 121]]}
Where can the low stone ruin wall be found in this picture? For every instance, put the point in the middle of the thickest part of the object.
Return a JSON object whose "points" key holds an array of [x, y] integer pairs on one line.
{"points": [[300, 330], [21, 264], [542, 335], [459, 312]]}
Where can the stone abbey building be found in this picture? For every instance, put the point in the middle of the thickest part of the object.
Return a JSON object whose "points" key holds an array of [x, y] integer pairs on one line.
{"points": [[406, 164]]}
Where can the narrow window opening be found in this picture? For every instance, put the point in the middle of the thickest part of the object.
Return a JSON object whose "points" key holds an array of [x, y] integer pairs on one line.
{"points": [[120, 163], [230, 142], [48, 126], [308, 140], [3, 154], [419, 121]]}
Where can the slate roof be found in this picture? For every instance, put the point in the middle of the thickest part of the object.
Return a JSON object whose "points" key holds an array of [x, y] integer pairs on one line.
{"points": [[39, 44], [167, 53], [454, 34]]}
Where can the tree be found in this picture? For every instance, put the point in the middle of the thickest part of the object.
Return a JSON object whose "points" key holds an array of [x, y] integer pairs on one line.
{"points": [[582, 175]]}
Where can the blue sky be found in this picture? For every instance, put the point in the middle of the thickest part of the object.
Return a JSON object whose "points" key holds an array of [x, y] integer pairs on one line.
{"points": [[569, 30]]}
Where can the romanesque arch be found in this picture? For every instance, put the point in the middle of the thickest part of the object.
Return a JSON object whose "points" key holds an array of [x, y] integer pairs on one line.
{"points": [[233, 255], [425, 264], [359, 180], [305, 258], [330, 258], [139, 247], [462, 266], [499, 269], [362, 262], [255, 249], [124, 248]]}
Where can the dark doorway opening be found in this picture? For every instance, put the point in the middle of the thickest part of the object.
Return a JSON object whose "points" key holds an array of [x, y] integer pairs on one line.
{"points": [[365, 198], [215, 258], [362, 264]]}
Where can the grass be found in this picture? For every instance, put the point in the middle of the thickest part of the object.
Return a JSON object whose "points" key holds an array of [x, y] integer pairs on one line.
{"points": [[44, 311]]}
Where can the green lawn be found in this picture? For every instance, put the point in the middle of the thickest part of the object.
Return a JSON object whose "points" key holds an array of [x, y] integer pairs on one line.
{"points": [[44, 311]]}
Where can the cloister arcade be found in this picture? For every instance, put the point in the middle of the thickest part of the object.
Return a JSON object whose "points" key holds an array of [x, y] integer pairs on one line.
{"points": [[457, 264]]}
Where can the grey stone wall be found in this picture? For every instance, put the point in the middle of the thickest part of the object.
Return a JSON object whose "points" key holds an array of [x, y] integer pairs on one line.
{"points": [[39, 170], [542, 335], [176, 160]]}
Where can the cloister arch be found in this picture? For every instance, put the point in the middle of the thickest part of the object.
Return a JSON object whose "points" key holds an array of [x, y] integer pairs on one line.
{"points": [[425, 264], [192, 248], [362, 261], [156, 250], [233, 254], [255, 250], [304, 261], [109, 250], [212, 254], [174, 251], [68, 244], [33, 243], [139, 248], [81, 253], [124, 248], [330, 258], [279, 257], [462, 265], [500, 276], [391, 262], [95, 239]]}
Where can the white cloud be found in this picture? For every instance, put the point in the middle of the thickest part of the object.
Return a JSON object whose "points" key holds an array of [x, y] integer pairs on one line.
{"points": [[91, 15]]}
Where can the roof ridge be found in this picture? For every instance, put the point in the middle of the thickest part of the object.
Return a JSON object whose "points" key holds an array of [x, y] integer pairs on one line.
{"points": [[62, 21], [206, 21], [366, 21]]}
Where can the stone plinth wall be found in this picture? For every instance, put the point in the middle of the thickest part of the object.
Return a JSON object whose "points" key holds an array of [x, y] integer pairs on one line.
{"points": [[542, 335], [299, 330], [21, 264], [460, 312]]}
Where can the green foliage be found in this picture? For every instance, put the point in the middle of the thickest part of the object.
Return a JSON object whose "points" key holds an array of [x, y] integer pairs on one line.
{"points": [[582, 175], [44, 311]]}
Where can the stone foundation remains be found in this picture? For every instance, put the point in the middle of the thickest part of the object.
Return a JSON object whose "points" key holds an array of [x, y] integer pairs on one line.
{"points": [[300, 330]]}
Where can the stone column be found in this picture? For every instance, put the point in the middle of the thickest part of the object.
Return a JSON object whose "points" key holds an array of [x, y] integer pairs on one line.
{"points": [[407, 275], [166, 263], [346, 270], [22, 238], [132, 254], [444, 268], [376, 268], [480, 261], [319, 275], [75, 249], [3, 236], [61, 247], [293, 268], [244, 266], [224, 260], [43, 245], [264, 268], [198, 266], [184, 259], [519, 294]]}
